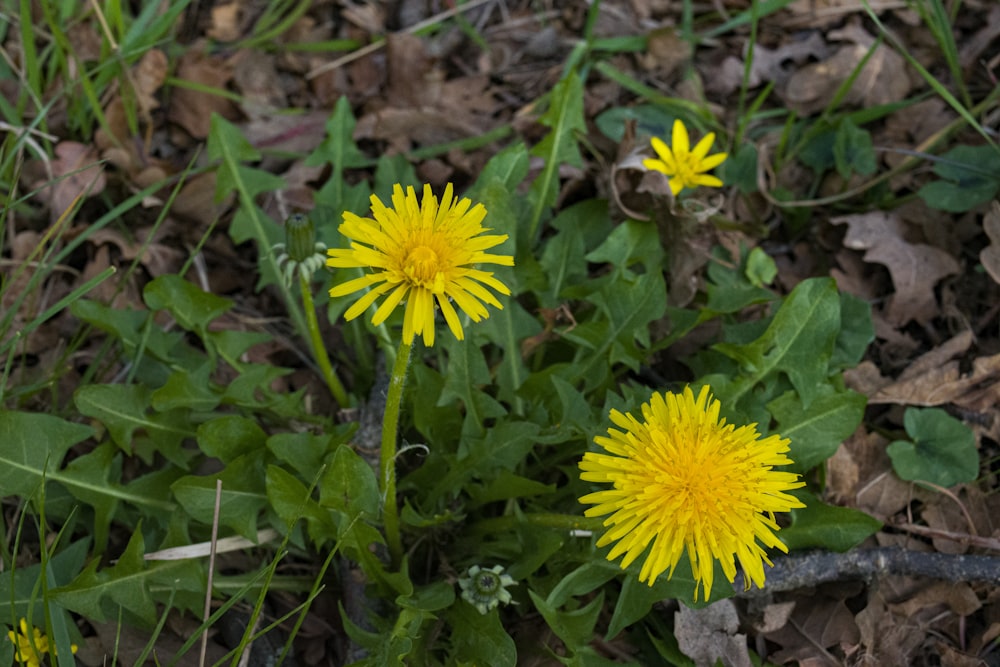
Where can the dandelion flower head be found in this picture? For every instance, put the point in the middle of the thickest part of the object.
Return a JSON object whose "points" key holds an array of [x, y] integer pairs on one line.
{"points": [[424, 253], [684, 167], [685, 481]]}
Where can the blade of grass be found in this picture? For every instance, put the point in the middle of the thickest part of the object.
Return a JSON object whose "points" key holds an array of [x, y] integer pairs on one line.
{"points": [[58, 306], [745, 17], [31, 69], [936, 17], [826, 118], [938, 87], [151, 644]]}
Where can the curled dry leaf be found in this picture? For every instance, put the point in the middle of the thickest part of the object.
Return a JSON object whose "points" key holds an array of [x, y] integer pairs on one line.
{"points": [[915, 267], [636, 189], [645, 195]]}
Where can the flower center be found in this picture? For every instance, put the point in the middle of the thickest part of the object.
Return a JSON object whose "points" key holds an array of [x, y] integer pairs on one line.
{"points": [[423, 267], [685, 169]]}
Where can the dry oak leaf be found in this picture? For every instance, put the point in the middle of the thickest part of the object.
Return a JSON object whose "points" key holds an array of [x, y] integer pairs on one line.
{"points": [[882, 80], [914, 267], [990, 255], [767, 64], [935, 379]]}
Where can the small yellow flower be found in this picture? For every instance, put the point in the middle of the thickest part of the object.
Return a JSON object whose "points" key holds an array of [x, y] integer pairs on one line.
{"points": [[686, 481], [421, 252], [685, 167], [29, 649]]}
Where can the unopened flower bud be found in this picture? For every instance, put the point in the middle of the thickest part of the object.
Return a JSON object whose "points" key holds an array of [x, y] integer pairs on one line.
{"points": [[485, 589]]}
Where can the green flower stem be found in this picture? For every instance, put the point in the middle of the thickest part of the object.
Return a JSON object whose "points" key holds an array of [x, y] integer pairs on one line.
{"points": [[319, 349], [564, 522], [387, 460]]}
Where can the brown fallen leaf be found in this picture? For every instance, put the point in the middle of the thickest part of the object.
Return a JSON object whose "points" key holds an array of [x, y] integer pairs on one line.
{"points": [[297, 195], [157, 258], [256, 77], [957, 596], [934, 378], [990, 255], [666, 50], [767, 65], [196, 201], [816, 13], [882, 80], [969, 512], [973, 48], [76, 172], [225, 25], [403, 127], [911, 126], [915, 267], [414, 81], [886, 639], [821, 621], [116, 137], [147, 78], [192, 109], [860, 475]]}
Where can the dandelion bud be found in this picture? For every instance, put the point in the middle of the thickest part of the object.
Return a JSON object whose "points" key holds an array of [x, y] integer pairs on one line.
{"points": [[485, 589]]}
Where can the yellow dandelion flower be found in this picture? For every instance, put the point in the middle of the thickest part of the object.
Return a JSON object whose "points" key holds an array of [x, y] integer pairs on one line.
{"points": [[423, 253], [686, 481], [685, 167]]}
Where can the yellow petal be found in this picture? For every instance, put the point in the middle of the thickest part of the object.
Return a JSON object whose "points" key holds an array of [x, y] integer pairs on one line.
{"points": [[681, 143], [702, 147]]}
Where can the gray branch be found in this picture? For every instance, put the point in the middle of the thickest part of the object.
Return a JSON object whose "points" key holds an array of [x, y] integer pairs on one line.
{"points": [[811, 569]]}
